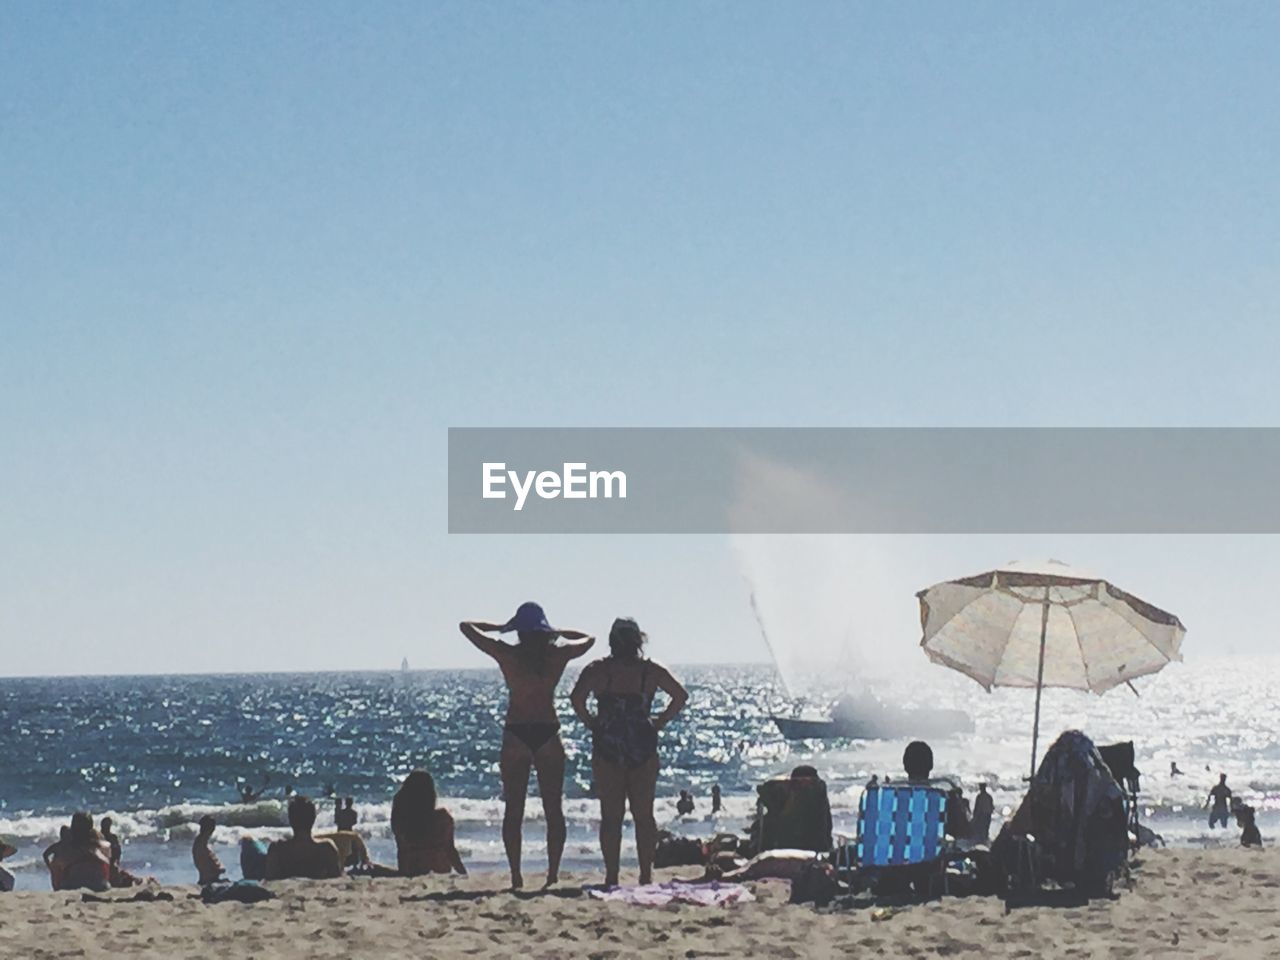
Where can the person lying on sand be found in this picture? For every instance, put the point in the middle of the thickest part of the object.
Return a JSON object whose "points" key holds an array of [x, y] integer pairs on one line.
{"points": [[772, 864], [208, 867], [303, 855], [423, 830]]}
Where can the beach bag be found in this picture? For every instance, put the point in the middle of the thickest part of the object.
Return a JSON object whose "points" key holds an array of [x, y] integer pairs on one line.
{"points": [[816, 883], [253, 859], [673, 851]]}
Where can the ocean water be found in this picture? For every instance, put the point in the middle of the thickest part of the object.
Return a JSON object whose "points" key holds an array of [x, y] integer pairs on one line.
{"points": [[156, 753]]}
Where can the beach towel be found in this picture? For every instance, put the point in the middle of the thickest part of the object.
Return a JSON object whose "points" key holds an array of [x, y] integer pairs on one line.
{"points": [[675, 891]]}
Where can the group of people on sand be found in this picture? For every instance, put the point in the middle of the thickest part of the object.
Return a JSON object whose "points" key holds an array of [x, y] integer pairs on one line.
{"points": [[613, 698], [423, 832], [87, 858]]}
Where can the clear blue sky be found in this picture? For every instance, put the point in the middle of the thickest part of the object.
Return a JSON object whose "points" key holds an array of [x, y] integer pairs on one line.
{"points": [[255, 259]]}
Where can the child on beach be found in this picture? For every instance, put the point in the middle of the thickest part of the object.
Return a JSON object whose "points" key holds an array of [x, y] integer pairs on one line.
{"points": [[1250, 836], [208, 867]]}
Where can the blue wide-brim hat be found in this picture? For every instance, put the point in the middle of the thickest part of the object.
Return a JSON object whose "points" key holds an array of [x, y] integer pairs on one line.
{"points": [[529, 618]]}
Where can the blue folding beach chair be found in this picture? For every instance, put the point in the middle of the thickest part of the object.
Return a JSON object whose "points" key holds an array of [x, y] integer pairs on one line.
{"points": [[901, 829]]}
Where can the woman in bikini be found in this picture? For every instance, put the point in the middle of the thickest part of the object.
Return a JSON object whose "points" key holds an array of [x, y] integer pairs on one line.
{"points": [[532, 669], [624, 736]]}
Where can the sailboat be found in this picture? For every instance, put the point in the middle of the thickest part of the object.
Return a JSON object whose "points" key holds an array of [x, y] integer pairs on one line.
{"points": [[865, 717], [404, 665], [861, 715]]}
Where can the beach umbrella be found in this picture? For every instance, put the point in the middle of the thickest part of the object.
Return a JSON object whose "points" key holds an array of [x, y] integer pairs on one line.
{"points": [[1045, 625]]}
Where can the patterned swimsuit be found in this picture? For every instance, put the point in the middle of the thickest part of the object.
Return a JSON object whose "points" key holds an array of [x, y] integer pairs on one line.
{"points": [[624, 731]]}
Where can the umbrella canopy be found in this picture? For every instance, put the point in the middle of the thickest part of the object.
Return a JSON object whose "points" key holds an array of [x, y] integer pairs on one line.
{"points": [[1045, 625]]}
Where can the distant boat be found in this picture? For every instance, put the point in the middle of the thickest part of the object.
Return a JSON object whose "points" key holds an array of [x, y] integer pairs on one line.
{"points": [[866, 718], [404, 665]]}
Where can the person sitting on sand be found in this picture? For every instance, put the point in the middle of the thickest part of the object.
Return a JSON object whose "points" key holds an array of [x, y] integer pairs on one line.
{"points": [[983, 808], [209, 868], [1246, 820], [684, 806], [917, 761], [423, 830], [624, 740], [119, 876], [351, 848], [532, 669], [84, 861], [112, 840], [51, 859], [302, 855], [345, 818], [796, 813], [6, 878], [1173, 769], [1220, 798]]}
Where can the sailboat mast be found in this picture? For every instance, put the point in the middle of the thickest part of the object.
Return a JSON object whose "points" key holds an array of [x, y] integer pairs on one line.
{"points": [[755, 610]]}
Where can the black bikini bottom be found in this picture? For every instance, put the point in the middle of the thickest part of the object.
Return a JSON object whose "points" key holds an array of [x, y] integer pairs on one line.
{"points": [[533, 735]]}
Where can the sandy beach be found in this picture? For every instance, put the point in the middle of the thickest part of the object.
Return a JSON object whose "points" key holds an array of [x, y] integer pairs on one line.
{"points": [[1186, 903]]}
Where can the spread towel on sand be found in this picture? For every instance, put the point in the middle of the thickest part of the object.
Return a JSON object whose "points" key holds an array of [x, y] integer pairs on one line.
{"points": [[676, 891]]}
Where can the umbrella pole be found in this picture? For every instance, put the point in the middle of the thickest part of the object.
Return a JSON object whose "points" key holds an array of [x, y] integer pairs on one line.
{"points": [[1035, 730]]}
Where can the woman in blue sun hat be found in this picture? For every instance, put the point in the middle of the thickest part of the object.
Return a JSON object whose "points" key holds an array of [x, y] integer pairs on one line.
{"points": [[532, 668]]}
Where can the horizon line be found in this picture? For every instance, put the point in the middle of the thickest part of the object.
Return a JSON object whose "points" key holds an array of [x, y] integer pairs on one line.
{"points": [[395, 671]]}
